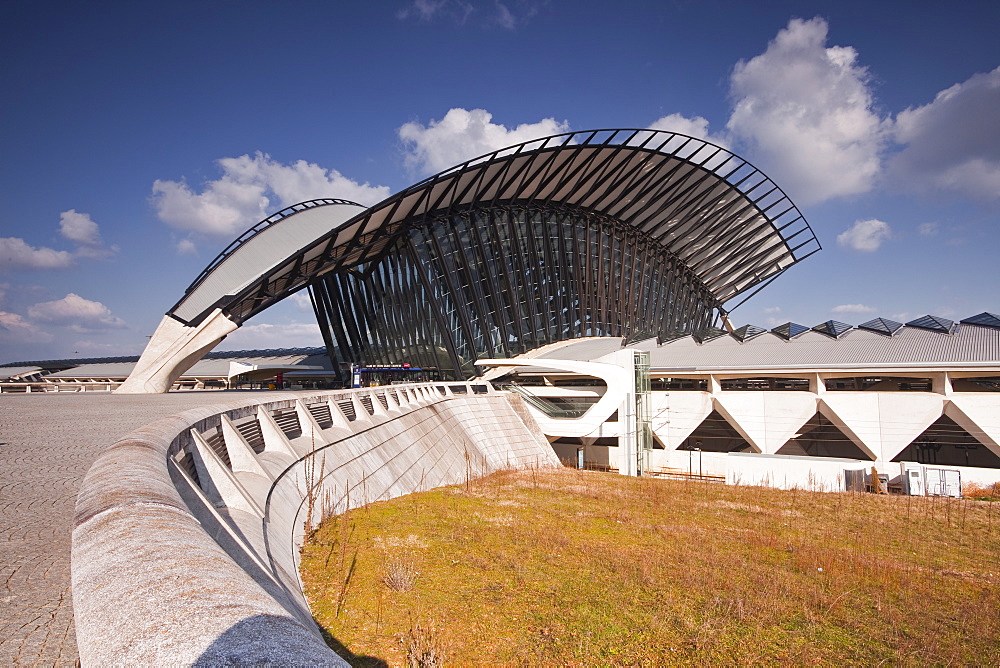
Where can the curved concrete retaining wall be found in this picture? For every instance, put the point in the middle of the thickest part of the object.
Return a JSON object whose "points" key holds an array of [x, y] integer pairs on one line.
{"points": [[185, 544]]}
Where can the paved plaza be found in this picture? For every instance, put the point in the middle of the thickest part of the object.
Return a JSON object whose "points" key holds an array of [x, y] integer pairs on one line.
{"points": [[47, 444]]}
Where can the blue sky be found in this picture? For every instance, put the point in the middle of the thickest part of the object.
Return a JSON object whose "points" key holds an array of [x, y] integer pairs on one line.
{"points": [[138, 139]]}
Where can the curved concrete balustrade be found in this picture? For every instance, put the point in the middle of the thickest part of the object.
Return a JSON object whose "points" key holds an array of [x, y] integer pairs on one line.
{"points": [[185, 543]]}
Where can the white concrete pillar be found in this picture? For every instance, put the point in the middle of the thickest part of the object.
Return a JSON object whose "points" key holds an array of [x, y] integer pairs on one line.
{"points": [[941, 383], [341, 424], [219, 483], [241, 455], [308, 424], [274, 438], [173, 349]]}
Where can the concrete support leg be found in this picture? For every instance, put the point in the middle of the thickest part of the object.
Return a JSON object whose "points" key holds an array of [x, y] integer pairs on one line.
{"points": [[173, 349]]}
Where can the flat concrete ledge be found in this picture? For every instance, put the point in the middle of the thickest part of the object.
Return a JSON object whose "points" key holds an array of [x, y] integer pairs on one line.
{"points": [[186, 536]]}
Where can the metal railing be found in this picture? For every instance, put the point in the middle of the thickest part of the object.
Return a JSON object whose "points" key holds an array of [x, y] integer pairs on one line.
{"points": [[567, 408]]}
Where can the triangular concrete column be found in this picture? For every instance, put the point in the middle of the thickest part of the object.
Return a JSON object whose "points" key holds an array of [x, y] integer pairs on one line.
{"points": [[241, 455], [769, 418], [274, 439], [390, 399], [222, 486], [341, 425], [361, 414], [677, 414], [380, 412], [857, 416], [978, 416], [911, 413], [754, 435], [308, 424]]}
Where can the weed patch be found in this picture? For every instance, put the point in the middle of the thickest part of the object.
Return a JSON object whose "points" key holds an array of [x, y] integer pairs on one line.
{"points": [[585, 568]]}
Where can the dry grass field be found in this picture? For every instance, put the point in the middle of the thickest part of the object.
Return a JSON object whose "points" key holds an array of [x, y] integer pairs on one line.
{"points": [[581, 568]]}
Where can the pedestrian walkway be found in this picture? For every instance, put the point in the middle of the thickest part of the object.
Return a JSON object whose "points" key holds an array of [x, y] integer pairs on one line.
{"points": [[47, 444]]}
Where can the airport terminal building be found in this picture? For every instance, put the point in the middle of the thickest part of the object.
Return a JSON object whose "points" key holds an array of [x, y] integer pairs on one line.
{"points": [[593, 273]]}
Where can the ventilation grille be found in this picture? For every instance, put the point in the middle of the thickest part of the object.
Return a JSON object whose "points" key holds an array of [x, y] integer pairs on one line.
{"points": [[347, 408], [186, 461], [250, 430], [218, 444], [288, 421], [382, 400], [366, 401], [321, 413]]}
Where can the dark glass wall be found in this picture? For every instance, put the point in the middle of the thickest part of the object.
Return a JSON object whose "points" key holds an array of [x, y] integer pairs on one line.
{"points": [[498, 282]]}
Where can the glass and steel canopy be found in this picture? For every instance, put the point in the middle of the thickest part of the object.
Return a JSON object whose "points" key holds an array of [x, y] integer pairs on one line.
{"points": [[632, 233]]}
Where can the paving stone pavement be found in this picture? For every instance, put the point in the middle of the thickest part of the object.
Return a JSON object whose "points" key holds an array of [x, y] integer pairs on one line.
{"points": [[47, 444]]}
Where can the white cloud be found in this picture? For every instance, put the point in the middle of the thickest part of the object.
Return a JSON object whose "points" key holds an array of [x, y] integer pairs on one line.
{"points": [[805, 112], [953, 143], [504, 17], [302, 301], [853, 308], [75, 312], [490, 12], [186, 247], [465, 134], [16, 254], [425, 10], [80, 228], [266, 335], [773, 309], [865, 236], [251, 188], [693, 127], [928, 229], [15, 329]]}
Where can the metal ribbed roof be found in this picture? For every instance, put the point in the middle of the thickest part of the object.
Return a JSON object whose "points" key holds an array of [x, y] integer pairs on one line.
{"points": [[969, 344], [977, 345], [217, 365], [13, 371], [718, 214]]}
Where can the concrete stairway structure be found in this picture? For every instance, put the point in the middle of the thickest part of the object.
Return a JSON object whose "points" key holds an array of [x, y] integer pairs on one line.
{"points": [[187, 531]]}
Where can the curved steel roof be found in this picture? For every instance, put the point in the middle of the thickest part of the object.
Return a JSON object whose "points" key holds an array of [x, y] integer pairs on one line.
{"points": [[258, 249], [716, 212]]}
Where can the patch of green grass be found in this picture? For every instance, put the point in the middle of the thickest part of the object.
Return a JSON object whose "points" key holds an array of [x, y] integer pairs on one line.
{"points": [[584, 568]]}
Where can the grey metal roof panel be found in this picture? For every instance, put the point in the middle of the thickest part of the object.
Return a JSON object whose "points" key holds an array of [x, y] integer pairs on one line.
{"points": [[268, 246], [105, 370], [216, 366], [585, 349], [912, 345], [11, 371]]}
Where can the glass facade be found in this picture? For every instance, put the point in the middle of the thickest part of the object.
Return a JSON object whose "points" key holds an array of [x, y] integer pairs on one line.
{"points": [[498, 281]]}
